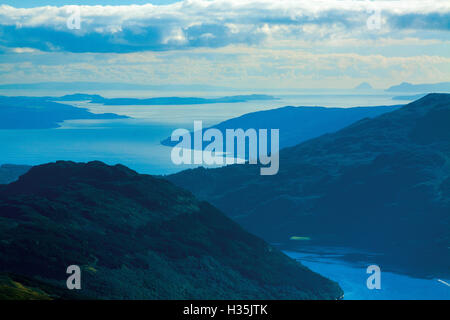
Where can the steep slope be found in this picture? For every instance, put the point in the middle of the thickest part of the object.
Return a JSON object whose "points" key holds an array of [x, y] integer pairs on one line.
{"points": [[135, 237], [381, 184]]}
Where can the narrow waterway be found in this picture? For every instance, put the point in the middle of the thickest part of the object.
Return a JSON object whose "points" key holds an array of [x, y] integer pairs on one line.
{"points": [[352, 277]]}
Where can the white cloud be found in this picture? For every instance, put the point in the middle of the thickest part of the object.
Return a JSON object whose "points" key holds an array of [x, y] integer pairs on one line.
{"points": [[235, 66], [186, 24], [255, 43]]}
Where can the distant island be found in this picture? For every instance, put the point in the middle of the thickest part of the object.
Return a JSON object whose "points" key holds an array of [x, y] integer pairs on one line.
{"points": [[364, 86], [160, 100], [48, 112], [441, 87], [42, 113]]}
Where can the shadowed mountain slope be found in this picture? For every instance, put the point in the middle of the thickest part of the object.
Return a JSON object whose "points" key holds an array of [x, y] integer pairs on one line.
{"points": [[134, 237], [381, 184]]}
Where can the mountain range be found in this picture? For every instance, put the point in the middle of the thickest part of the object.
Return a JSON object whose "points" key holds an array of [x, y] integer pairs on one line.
{"points": [[134, 237], [380, 184]]}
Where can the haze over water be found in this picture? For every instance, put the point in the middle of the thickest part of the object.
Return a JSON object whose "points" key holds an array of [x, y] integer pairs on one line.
{"points": [[136, 142]]}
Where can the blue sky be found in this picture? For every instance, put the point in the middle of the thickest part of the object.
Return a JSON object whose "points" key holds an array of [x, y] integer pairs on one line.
{"points": [[234, 43]]}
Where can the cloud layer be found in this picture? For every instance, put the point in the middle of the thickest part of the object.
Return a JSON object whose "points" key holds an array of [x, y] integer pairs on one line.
{"points": [[233, 66], [217, 23]]}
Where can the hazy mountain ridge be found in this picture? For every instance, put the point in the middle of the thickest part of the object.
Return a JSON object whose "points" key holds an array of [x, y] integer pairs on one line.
{"points": [[380, 184], [135, 237], [298, 124]]}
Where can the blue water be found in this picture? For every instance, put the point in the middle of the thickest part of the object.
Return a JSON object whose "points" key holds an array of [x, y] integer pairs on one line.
{"points": [[136, 142], [352, 278], [136, 146]]}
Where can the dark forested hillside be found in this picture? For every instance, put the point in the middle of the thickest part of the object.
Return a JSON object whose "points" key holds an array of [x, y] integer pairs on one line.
{"points": [[134, 237], [381, 184]]}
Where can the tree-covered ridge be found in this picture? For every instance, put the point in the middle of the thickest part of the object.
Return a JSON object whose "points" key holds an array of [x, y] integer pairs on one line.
{"points": [[138, 237]]}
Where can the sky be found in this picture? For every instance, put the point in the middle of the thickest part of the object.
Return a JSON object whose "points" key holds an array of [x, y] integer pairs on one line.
{"points": [[253, 44]]}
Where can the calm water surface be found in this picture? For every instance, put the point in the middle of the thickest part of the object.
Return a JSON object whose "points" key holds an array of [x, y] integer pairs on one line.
{"points": [[352, 277]]}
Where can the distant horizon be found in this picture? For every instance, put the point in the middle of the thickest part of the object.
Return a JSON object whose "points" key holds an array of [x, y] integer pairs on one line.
{"points": [[128, 86]]}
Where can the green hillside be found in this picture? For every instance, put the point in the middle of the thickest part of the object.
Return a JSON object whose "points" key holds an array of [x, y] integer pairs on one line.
{"points": [[136, 237]]}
